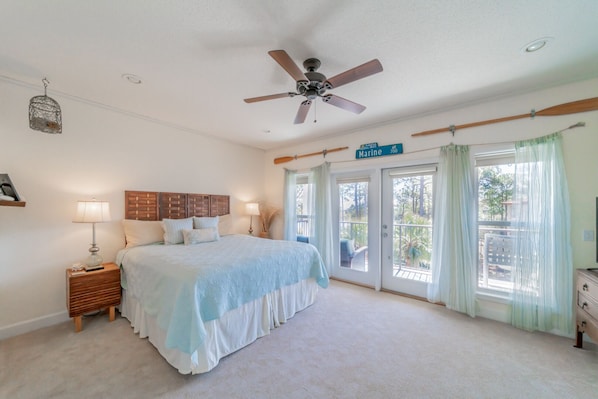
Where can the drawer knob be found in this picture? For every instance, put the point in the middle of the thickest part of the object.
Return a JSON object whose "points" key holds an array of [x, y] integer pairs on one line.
{"points": [[585, 287], [583, 323], [584, 305]]}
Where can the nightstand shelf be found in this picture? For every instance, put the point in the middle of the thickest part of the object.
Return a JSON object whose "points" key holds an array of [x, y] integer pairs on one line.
{"points": [[91, 291]]}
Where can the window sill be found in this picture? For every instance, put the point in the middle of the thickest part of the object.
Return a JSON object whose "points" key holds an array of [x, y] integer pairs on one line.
{"points": [[493, 296]]}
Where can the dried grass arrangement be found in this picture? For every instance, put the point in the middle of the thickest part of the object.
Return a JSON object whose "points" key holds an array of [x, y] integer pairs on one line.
{"points": [[267, 215]]}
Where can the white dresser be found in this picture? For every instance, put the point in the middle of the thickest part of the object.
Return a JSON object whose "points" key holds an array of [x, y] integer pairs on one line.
{"points": [[587, 306]]}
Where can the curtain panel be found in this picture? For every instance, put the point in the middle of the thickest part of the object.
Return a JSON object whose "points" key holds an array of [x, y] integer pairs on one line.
{"points": [[454, 263], [318, 207], [290, 205], [543, 272], [320, 202]]}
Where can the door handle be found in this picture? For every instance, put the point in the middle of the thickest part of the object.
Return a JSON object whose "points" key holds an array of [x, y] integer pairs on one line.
{"points": [[384, 235]]}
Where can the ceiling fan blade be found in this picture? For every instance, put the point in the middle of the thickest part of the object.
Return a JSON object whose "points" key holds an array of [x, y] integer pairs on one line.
{"points": [[359, 72], [288, 64], [302, 113], [270, 97], [343, 103]]}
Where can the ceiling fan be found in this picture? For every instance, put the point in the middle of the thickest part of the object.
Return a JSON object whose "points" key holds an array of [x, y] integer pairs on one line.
{"points": [[312, 84]]}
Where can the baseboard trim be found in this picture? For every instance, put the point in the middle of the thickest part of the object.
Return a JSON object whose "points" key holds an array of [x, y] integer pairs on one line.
{"points": [[32, 325]]}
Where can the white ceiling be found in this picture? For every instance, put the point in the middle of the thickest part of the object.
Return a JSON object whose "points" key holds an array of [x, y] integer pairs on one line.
{"points": [[198, 60]]}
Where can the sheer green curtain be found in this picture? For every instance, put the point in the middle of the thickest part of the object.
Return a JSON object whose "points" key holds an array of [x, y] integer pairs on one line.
{"points": [[320, 204], [543, 271], [290, 205], [454, 236], [318, 208]]}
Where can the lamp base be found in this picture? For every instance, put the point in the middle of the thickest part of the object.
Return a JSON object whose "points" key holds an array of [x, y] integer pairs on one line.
{"points": [[93, 262]]}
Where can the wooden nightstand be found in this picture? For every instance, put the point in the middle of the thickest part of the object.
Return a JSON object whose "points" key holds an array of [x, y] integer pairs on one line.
{"points": [[94, 290]]}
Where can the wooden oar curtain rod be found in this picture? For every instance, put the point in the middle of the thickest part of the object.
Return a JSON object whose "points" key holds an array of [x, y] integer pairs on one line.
{"points": [[311, 154], [589, 104]]}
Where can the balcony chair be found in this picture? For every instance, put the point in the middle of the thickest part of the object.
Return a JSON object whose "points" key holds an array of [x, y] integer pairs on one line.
{"points": [[498, 256], [304, 239], [350, 257]]}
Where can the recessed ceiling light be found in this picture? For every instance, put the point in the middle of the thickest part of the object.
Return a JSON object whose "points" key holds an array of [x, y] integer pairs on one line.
{"points": [[134, 79], [537, 44]]}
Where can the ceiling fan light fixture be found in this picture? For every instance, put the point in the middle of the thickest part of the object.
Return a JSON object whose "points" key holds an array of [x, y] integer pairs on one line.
{"points": [[311, 94]]}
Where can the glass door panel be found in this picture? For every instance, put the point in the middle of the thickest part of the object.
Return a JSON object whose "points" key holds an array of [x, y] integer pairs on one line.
{"points": [[353, 212], [407, 229]]}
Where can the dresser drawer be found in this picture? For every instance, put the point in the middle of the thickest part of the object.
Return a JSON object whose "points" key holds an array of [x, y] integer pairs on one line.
{"points": [[587, 283], [587, 324], [588, 304]]}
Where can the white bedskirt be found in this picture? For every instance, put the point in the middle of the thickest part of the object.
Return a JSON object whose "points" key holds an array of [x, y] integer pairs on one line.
{"points": [[234, 330]]}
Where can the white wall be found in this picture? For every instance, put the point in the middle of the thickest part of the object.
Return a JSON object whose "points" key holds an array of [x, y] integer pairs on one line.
{"points": [[580, 149], [101, 153]]}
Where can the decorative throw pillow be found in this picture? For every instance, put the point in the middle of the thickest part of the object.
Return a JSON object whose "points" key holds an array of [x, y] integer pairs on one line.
{"points": [[225, 225], [197, 236], [142, 232], [206, 222], [173, 229]]}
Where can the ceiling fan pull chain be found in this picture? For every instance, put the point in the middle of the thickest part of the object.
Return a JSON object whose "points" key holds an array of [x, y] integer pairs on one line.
{"points": [[315, 111]]}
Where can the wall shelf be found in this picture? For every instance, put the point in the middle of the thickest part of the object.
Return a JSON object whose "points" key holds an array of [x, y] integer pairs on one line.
{"points": [[8, 189], [13, 203]]}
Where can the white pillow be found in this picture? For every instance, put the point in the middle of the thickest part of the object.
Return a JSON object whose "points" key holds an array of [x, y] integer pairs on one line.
{"points": [[225, 225], [173, 229], [205, 222], [197, 236], [142, 232]]}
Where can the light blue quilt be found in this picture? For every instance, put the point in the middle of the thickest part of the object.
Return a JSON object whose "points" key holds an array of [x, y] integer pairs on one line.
{"points": [[183, 286]]}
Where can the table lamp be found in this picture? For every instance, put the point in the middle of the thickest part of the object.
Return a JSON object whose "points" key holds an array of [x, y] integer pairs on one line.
{"points": [[253, 209], [93, 212]]}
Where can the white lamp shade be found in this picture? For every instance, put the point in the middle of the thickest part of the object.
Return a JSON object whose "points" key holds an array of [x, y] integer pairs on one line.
{"points": [[252, 208], [92, 212]]}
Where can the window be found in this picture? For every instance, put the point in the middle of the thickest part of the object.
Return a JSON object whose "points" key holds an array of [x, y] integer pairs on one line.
{"points": [[495, 173], [303, 212]]}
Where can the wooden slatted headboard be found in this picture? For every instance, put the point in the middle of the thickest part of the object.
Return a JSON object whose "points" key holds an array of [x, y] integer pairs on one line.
{"points": [[152, 205]]}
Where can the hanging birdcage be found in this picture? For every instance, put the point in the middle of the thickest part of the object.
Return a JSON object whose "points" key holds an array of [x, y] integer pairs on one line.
{"points": [[44, 113]]}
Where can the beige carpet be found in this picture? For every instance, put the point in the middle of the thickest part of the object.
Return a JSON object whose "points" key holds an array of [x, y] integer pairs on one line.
{"points": [[353, 343]]}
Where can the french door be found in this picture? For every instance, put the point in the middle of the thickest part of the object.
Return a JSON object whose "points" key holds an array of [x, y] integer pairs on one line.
{"points": [[406, 229], [356, 218]]}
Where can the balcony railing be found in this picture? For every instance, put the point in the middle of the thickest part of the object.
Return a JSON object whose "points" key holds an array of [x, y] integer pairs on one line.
{"points": [[412, 246], [356, 231], [495, 273], [303, 225]]}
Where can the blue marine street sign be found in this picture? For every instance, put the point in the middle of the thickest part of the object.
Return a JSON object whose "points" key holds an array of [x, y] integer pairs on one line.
{"points": [[373, 150]]}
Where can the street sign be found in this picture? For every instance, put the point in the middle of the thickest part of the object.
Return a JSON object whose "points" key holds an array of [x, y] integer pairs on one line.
{"points": [[373, 150]]}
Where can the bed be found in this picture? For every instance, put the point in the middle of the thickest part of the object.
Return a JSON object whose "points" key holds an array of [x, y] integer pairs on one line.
{"points": [[199, 294]]}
